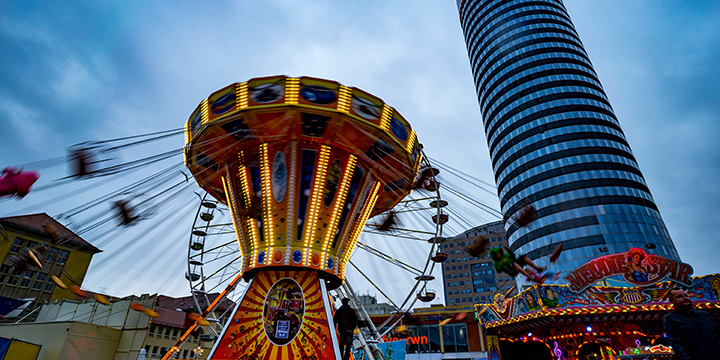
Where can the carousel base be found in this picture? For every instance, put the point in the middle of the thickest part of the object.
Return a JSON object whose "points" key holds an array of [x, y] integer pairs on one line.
{"points": [[282, 315]]}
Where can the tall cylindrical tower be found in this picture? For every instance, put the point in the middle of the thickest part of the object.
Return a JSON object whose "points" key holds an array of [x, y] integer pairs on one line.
{"points": [[553, 137]]}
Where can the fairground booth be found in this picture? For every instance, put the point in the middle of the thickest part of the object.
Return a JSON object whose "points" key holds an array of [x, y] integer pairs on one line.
{"points": [[586, 319]]}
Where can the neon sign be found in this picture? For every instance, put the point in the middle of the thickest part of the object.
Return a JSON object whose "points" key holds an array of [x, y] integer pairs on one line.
{"points": [[636, 266], [410, 340]]}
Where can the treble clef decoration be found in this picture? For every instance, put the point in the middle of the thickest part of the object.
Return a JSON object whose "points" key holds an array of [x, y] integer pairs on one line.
{"points": [[558, 351]]}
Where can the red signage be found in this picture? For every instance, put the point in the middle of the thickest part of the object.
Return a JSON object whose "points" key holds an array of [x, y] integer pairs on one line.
{"points": [[410, 340], [637, 268]]}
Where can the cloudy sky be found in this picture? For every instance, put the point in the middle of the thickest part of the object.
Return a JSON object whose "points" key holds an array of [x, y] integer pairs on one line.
{"points": [[92, 70]]}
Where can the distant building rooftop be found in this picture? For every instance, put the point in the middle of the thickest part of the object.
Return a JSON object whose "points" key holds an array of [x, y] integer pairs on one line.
{"points": [[35, 223]]}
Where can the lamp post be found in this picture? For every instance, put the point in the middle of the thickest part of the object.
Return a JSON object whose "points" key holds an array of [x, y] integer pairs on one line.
{"points": [[197, 352]]}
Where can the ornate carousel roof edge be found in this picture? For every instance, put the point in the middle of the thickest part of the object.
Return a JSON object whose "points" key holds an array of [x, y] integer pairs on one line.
{"points": [[340, 108], [557, 300]]}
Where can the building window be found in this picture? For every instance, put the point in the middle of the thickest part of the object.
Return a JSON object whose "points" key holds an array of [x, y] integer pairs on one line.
{"points": [[155, 349], [147, 349], [195, 338], [455, 283], [62, 257], [17, 245], [163, 350], [185, 354], [39, 280], [50, 256], [4, 270], [454, 275], [175, 334], [167, 333], [27, 278], [13, 280], [463, 300], [49, 286], [151, 333]]}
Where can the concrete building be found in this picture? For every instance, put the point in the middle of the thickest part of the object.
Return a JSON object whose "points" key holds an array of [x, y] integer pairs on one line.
{"points": [[86, 329], [554, 140], [66, 255], [471, 280], [68, 329], [372, 307]]}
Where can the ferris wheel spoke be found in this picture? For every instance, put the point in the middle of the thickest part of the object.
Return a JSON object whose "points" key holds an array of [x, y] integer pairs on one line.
{"points": [[217, 247], [394, 235], [389, 258], [219, 270]]}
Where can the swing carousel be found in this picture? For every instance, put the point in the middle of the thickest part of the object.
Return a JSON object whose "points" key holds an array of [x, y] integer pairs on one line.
{"points": [[301, 163]]}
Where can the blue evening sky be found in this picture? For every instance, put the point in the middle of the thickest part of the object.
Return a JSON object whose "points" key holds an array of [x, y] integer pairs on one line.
{"points": [[72, 71]]}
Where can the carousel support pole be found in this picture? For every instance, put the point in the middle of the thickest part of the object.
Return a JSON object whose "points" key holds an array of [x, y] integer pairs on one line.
{"points": [[349, 290], [361, 309]]}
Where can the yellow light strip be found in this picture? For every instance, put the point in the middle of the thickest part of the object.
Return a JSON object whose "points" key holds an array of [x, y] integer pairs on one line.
{"points": [[204, 111], [360, 224], [417, 164], [266, 194], [241, 95], [344, 96], [292, 90], [317, 192], [385, 117], [346, 235], [291, 221], [250, 222], [232, 201], [585, 311], [413, 138], [339, 203]]}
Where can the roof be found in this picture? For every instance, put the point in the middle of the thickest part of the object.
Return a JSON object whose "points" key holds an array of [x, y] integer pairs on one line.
{"points": [[173, 311], [37, 223], [172, 318], [183, 303]]}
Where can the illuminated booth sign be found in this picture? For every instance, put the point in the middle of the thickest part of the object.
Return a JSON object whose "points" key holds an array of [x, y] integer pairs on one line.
{"points": [[636, 266]]}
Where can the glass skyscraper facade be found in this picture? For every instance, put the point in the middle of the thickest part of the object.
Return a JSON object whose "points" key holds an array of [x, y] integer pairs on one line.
{"points": [[553, 137]]}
